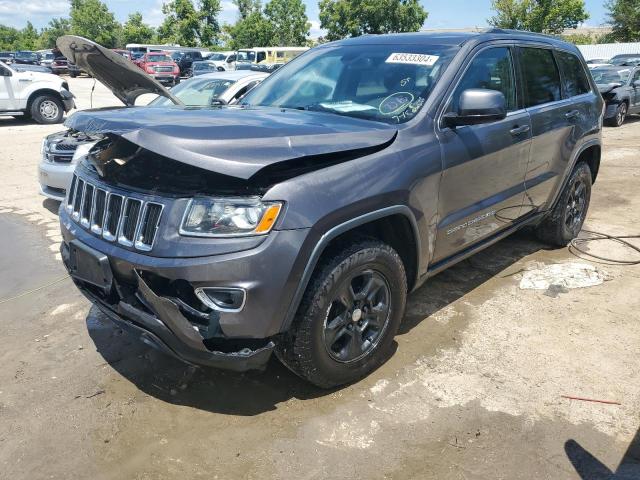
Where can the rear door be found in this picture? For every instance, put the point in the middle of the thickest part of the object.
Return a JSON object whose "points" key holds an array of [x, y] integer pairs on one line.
{"points": [[481, 189], [559, 115]]}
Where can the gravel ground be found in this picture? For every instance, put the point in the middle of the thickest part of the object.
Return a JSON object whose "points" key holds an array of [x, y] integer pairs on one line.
{"points": [[474, 390]]}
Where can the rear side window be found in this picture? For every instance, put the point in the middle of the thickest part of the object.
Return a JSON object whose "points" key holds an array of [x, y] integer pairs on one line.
{"points": [[541, 77], [491, 69], [575, 78]]}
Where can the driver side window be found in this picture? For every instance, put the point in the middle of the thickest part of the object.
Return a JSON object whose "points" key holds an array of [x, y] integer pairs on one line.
{"points": [[491, 69]]}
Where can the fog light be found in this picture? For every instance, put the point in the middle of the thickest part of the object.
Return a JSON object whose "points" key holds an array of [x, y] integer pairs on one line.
{"points": [[224, 299]]}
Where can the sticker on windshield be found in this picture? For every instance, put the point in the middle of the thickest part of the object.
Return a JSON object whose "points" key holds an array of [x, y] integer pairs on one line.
{"points": [[413, 59]]}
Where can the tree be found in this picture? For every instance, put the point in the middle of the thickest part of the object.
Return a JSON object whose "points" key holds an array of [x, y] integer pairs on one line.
{"points": [[547, 16], [57, 28], [247, 7], [351, 18], [253, 31], [9, 38], [190, 26], [289, 22], [134, 30], [624, 18], [29, 37], [93, 20]]}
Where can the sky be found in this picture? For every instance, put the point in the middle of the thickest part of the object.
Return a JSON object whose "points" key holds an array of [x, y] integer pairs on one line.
{"points": [[447, 14]]}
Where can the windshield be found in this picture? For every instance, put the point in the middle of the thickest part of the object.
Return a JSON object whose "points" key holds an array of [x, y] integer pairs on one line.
{"points": [[246, 56], [217, 57], [48, 56], [196, 92], [620, 59], [385, 83], [611, 75], [159, 58]]}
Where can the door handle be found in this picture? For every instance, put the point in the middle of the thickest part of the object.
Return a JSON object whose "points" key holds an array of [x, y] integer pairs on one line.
{"points": [[571, 114], [519, 130]]}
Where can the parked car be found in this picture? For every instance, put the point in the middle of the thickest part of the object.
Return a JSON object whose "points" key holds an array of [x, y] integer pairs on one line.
{"points": [[26, 57], [203, 67], [185, 59], [41, 96], [626, 59], [60, 65], [125, 53], [620, 88], [6, 57], [62, 150], [160, 66], [223, 60], [46, 59], [298, 221], [73, 70]]}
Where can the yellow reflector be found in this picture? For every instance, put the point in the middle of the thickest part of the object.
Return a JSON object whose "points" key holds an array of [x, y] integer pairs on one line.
{"points": [[268, 219]]}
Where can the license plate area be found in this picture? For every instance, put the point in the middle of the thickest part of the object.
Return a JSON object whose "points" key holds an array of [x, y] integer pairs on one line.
{"points": [[90, 266]]}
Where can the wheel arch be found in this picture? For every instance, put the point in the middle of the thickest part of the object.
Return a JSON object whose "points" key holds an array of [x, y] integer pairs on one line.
{"points": [[43, 91], [394, 225]]}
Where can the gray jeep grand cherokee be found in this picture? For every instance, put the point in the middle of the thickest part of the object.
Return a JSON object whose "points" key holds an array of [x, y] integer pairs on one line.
{"points": [[298, 222]]}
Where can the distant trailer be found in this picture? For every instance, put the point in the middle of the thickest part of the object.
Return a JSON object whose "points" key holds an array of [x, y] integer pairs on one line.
{"points": [[608, 50]]}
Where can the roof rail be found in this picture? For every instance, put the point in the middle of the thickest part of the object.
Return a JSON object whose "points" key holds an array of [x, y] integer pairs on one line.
{"points": [[521, 32]]}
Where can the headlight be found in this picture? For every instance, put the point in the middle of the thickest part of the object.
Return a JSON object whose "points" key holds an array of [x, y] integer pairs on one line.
{"points": [[82, 151], [229, 217]]}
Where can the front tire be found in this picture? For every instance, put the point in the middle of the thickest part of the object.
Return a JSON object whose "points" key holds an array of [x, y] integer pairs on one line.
{"points": [[567, 217], [349, 315], [47, 109], [621, 114]]}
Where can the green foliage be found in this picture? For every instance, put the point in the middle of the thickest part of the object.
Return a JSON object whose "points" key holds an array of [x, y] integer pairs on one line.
{"points": [[624, 18], [9, 38], [351, 18], [546, 16], [253, 31], [57, 27], [188, 25], [92, 19], [134, 30], [289, 22], [282, 23], [247, 7], [29, 37]]}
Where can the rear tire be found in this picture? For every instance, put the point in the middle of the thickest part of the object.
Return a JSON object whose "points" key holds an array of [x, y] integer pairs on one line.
{"points": [[618, 119], [349, 315], [566, 219], [47, 109]]}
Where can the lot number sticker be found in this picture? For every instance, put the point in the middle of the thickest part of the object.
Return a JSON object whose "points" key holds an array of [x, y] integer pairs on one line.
{"points": [[413, 59]]}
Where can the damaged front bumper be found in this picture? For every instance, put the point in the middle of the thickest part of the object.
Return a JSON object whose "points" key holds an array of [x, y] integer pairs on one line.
{"points": [[158, 321]]}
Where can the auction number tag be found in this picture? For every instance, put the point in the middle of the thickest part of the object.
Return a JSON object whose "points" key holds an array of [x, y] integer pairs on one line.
{"points": [[413, 59]]}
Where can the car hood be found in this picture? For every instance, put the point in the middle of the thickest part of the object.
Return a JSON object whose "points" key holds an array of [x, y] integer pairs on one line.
{"points": [[607, 87], [121, 76], [237, 141]]}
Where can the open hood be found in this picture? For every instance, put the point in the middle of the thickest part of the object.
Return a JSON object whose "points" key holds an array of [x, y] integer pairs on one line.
{"points": [[237, 141], [607, 87], [121, 76]]}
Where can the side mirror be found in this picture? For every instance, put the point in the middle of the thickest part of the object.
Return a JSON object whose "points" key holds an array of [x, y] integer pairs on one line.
{"points": [[5, 73], [636, 83], [478, 106], [218, 102]]}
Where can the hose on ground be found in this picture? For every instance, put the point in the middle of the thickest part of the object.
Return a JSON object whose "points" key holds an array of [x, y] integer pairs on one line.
{"points": [[577, 243]]}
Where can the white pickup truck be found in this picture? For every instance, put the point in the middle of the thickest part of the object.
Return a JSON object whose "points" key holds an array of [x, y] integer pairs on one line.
{"points": [[44, 97]]}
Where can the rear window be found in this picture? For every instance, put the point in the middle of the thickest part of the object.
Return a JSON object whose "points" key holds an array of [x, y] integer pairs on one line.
{"points": [[541, 76], [158, 58], [575, 78]]}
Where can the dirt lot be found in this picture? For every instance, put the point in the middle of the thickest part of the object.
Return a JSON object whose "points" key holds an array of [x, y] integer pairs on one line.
{"points": [[474, 390]]}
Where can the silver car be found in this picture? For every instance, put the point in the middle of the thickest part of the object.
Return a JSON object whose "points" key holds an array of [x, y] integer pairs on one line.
{"points": [[62, 150]]}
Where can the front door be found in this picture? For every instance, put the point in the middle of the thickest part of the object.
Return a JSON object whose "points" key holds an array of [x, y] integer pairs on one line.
{"points": [[635, 91], [8, 100], [481, 190]]}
